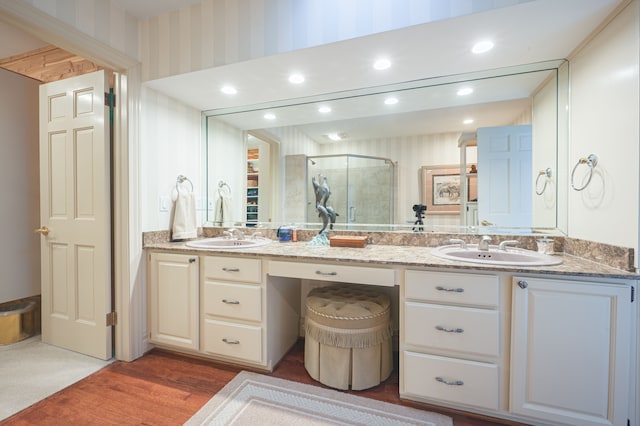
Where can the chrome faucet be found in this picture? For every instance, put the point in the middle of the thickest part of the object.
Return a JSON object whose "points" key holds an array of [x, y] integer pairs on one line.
{"points": [[235, 233], [462, 243], [509, 243], [484, 243]]}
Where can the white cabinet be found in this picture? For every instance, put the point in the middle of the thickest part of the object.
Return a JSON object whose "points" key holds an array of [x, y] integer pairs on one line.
{"points": [[571, 346], [232, 308], [247, 318], [451, 339], [173, 300]]}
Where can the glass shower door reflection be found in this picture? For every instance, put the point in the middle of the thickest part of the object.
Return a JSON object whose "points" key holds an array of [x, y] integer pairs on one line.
{"points": [[361, 188]]}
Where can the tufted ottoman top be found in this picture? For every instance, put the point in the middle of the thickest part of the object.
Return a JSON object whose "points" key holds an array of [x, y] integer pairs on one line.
{"points": [[348, 306]]}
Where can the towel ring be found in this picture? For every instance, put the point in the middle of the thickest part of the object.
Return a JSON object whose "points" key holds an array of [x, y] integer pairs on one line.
{"points": [[591, 161], [223, 187], [180, 180], [547, 174]]}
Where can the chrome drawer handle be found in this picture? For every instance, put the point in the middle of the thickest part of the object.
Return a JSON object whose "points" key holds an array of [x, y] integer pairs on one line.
{"points": [[449, 330], [326, 273], [231, 302], [231, 342], [451, 383], [231, 269], [523, 284], [457, 290]]}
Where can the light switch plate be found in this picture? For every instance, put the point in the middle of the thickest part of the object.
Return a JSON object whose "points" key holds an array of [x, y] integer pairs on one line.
{"points": [[165, 203]]}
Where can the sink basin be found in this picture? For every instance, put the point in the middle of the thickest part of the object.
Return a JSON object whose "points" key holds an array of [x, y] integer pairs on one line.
{"points": [[226, 243], [509, 257]]}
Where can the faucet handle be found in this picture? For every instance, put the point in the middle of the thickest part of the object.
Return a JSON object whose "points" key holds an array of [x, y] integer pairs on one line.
{"points": [[459, 241], [503, 245]]}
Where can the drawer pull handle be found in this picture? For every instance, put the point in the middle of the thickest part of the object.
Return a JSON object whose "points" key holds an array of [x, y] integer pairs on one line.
{"points": [[231, 302], [457, 290], [231, 269], [192, 260], [523, 284], [326, 273], [231, 342], [449, 330], [451, 383]]}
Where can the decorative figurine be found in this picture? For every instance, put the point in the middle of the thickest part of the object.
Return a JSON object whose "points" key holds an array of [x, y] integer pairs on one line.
{"points": [[325, 212]]}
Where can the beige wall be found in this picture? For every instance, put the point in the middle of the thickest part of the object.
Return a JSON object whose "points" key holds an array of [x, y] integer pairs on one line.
{"points": [[20, 206], [604, 111]]}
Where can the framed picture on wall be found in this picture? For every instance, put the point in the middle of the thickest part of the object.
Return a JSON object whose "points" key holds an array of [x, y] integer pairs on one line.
{"points": [[441, 190]]}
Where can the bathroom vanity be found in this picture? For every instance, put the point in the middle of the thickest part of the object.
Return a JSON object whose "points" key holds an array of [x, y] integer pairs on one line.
{"points": [[542, 345]]}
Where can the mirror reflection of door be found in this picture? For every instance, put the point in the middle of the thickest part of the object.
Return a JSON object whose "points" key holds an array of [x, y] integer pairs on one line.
{"points": [[504, 176], [258, 190]]}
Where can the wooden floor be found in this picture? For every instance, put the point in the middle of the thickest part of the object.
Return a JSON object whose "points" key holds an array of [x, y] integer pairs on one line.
{"points": [[166, 388]]}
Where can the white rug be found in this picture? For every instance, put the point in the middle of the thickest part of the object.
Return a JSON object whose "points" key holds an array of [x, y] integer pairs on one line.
{"points": [[31, 371], [256, 399]]}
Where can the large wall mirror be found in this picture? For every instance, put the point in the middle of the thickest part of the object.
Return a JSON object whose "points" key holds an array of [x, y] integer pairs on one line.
{"points": [[377, 143]]}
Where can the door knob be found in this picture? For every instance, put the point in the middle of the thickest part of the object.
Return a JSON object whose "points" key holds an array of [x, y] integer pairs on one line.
{"points": [[486, 223], [44, 231]]}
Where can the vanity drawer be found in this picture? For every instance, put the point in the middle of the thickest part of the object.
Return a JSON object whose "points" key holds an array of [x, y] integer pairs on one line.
{"points": [[233, 269], [337, 273], [233, 340], [446, 287], [235, 301], [452, 380], [467, 330]]}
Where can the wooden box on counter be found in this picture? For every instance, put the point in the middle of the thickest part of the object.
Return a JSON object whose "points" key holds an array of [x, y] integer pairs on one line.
{"points": [[348, 241]]}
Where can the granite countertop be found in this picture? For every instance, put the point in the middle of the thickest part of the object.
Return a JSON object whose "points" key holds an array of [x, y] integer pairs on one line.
{"points": [[392, 255]]}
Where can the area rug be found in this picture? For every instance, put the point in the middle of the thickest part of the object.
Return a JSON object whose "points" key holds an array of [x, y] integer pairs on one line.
{"points": [[256, 399]]}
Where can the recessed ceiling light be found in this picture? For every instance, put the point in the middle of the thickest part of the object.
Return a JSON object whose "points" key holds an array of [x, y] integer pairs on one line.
{"points": [[391, 101], [334, 136], [464, 91], [324, 109], [382, 64], [270, 116], [482, 46], [296, 78], [468, 121], [228, 90]]}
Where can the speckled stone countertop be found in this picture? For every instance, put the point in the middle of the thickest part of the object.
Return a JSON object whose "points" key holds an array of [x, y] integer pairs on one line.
{"points": [[394, 255]]}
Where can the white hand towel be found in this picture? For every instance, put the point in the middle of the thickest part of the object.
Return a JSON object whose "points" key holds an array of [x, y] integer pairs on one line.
{"points": [[223, 209], [184, 216]]}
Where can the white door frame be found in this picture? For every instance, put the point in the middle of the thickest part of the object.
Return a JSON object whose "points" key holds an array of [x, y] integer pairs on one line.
{"points": [[129, 300]]}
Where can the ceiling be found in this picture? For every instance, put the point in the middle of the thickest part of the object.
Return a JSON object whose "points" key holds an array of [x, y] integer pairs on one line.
{"points": [[536, 31], [526, 33], [529, 32]]}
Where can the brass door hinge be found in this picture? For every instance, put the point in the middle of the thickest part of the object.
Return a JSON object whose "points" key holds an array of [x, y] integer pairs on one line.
{"points": [[112, 319]]}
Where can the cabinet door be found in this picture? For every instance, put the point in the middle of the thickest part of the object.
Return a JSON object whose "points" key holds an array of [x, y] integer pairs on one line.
{"points": [[570, 351], [173, 299]]}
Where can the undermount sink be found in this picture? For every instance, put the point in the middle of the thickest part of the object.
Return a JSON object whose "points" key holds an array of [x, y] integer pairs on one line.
{"points": [[228, 243], [494, 256]]}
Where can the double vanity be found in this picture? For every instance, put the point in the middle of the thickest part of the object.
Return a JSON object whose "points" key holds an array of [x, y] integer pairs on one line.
{"points": [[503, 332]]}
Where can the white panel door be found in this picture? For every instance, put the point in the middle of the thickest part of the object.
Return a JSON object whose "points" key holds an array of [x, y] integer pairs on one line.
{"points": [[504, 176], [75, 212]]}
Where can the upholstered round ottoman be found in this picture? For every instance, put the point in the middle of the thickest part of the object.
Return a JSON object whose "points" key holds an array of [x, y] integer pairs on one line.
{"points": [[348, 332]]}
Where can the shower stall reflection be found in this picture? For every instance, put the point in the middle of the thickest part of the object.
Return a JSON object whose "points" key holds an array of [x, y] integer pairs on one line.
{"points": [[362, 188]]}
